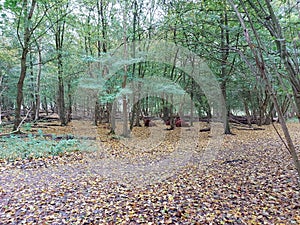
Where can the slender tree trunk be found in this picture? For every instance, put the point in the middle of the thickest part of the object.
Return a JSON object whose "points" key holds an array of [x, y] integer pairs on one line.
{"points": [[101, 47], [32, 86], [136, 95], [113, 118], [70, 102], [225, 54], [97, 113], [124, 98], [247, 111], [192, 107], [38, 83], [125, 110], [20, 85], [172, 113], [61, 92], [59, 43], [1, 102], [25, 49]]}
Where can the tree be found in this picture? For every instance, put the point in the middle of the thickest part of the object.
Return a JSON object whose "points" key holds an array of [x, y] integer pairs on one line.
{"points": [[284, 44], [61, 10], [201, 27], [124, 98], [25, 30], [263, 71]]}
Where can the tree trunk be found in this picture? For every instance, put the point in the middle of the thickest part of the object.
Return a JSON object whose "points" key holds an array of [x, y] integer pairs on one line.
{"points": [[125, 111], [1, 78], [192, 107], [38, 83], [134, 120], [124, 98], [247, 111], [32, 86], [225, 53], [61, 92], [113, 118], [20, 85], [59, 43], [97, 113], [70, 102], [28, 13]]}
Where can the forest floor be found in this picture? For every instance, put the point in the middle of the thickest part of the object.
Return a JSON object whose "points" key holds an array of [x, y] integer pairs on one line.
{"points": [[156, 176]]}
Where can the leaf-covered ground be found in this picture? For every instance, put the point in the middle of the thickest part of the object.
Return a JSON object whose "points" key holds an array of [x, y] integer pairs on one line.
{"points": [[156, 177]]}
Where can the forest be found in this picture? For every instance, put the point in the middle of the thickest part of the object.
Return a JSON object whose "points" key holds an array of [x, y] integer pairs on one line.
{"points": [[149, 112]]}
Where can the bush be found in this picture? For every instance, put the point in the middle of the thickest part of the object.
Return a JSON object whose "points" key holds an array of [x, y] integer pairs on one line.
{"points": [[34, 147]]}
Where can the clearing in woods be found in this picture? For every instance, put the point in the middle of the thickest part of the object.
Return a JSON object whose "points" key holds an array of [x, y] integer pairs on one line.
{"points": [[148, 180]]}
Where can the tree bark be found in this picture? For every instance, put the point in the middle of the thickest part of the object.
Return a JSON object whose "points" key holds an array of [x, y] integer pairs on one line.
{"points": [[248, 115], [59, 42], [38, 83], [225, 54], [124, 98], [61, 92]]}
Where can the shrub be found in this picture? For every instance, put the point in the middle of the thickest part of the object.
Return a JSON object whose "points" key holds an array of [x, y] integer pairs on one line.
{"points": [[14, 147]]}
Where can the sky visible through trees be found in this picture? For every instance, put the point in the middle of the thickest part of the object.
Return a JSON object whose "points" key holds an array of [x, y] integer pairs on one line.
{"points": [[154, 63]]}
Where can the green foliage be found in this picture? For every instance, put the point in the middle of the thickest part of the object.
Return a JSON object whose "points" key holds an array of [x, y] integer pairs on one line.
{"points": [[34, 147], [27, 127], [196, 25], [11, 4], [293, 120]]}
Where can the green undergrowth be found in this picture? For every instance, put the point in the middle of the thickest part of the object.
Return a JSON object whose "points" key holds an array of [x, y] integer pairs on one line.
{"points": [[14, 147]]}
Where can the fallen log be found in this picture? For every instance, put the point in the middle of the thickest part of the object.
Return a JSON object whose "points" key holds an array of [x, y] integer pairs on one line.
{"points": [[248, 128], [205, 129], [235, 161], [46, 125], [241, 120]]}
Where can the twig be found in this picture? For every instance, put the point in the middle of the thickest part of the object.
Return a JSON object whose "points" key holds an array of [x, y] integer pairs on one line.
{"points": [[9, 134], [18, 128]]}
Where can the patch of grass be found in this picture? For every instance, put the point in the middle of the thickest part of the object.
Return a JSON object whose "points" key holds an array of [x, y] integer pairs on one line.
{"points": [[14, 147], [27, 127], [292, 120]]}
